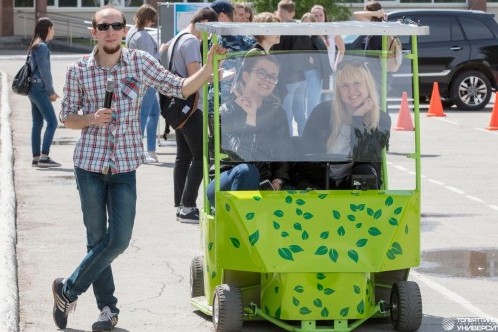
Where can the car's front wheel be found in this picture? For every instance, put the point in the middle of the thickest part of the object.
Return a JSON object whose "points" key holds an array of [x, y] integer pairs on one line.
{"points": [[471, 90]]}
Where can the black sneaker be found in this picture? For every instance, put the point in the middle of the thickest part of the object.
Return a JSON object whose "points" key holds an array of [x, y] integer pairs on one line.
{"points": [[34, 163], [107, 320], [189, 215], [48, 163], [62, 306]]}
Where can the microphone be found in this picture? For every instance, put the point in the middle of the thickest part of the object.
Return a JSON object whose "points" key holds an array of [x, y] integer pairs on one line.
{"points": [[109, 91]]}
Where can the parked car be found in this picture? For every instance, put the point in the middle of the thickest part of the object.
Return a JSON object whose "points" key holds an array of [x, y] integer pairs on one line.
{"points": [[460, 53]]}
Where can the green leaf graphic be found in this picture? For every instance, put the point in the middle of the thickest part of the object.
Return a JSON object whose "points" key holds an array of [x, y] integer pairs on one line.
{"points": [[319, 287], [299, 212], [353, 255], [227, 207], [210, 246], [324, 313], [307, 216], [358, 225], [253, 238], [295, 248], [299, 289], [324, 235], [284, 234], [406, 229], [305, 235], [360, 307], [297, 226], [235, 242], [278, 313], [322, 196], [393, 221], [390, 254], [276, 289], [295, 301], [336, 214], [250, 216], [213, 275], [276, 225], [356, 289], [317, 303], [378, 214], [288, 199], [370, 212], [361, 207], [361, 243], [344, 312], [267, 310], [328, 291], [304, 311], [396, 248], [322, 250], [256, 198], [389, 201], [353, 207], [398, 210], [285, 254], [333, 254], [374, 231], [320, 276], [351, 217], [300, 201], [341, 231], [278, 213]]}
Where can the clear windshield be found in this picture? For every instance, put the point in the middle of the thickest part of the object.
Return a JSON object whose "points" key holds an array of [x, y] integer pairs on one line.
{"points": [[294, 107]]}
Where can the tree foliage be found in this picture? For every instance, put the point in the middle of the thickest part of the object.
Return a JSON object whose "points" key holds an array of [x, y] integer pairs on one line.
{"points": [[336, 10]]}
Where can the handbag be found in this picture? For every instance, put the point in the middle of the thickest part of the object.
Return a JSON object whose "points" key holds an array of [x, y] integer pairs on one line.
{"points": [[22, 80], [175, 110]]}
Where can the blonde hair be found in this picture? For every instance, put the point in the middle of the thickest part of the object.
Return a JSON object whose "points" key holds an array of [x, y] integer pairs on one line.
{"points": [[308, 16], [350, 72], [264, 17]]}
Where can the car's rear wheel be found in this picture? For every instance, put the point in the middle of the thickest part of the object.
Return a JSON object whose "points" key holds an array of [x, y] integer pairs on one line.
{"points": [[471, 90]]}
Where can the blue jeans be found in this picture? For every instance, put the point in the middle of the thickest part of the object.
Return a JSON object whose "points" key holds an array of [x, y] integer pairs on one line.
{"points": [[314, 84], [108, 203], [149, 117], [41, 109], [240, 177], [295, 106], [187, 173]]}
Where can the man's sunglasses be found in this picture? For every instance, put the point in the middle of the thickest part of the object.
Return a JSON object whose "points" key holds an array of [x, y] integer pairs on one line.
{"points": [[116, 26]]}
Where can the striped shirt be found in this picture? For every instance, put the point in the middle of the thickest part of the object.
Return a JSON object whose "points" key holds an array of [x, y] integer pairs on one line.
{"points": [[118, 146]]}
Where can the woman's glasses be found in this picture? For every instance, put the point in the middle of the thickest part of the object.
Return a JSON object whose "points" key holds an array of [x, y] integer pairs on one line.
{"points": [[353, 63], [263, 75], [116, 26]]}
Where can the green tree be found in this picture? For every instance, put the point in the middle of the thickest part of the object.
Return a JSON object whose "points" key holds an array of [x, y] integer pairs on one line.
{"points": [[336, 10]]}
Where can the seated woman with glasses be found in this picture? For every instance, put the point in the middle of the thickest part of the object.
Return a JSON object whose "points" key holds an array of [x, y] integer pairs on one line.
{"points": [[350, 125], [254, 131]]}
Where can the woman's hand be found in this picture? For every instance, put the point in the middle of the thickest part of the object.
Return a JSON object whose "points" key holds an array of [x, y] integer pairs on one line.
{"points": [[364, 108], [54, 97], [277, 184], [250, 107]]}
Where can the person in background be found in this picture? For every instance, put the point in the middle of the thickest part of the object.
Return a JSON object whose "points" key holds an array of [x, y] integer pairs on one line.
{"points": [[351, 125], [249, 12], [293, 81], [42, 94], [266, 42], [239, 12], [335, 43], [108, 153], [139, 38], [318, 76], [187, 173], [254, 130]]}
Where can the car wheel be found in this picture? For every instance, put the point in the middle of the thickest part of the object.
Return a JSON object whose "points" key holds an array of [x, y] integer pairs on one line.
{"points": [[406, 306], [471, 91], [227, 308], [197, 277]]}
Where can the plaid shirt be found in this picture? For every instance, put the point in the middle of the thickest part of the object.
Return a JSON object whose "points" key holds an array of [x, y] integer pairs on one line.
{"points": [[118, 146]]}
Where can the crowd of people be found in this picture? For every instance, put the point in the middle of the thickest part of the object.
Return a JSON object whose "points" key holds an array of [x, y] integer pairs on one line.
{"points": [[266, 103]]}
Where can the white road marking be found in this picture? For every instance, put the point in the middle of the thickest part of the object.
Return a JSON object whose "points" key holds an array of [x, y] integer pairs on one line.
{"points": [[494, 132], [456, 190], [436, 182], [475, 199]]}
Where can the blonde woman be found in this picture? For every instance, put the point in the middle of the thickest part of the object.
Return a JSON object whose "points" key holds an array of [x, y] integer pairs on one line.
{"points": [[351, 125]]}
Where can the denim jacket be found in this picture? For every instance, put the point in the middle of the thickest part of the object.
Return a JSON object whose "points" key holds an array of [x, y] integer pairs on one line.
{"points": [[40, 66]]}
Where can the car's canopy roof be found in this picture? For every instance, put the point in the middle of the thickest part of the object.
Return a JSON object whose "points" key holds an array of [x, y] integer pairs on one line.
{"points": [[333, 28]]}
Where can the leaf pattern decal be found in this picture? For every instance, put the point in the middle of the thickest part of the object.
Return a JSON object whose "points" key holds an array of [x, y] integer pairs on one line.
{"points": [[322, 250], [322, 196], [351, 217], [360, 307], [285, 254], [353, 207], [324, 313], [307, 216], [304, 311], [253, 238], [295, 301], [358, 225], [320, 276], [353, 255], [284, 234], [305, 235], [300, 201], [390, 254], [396, 248], [328, 291], [299, 289], [288, 199], [210, 246], [299, 212], [276, 289], [317, 303], [336, 214], [377, 214], [213, 274], [374, 231], [319, 287], [341, 231], [235, 242], [278, 313], [250, 216], [389, 201], [298, 227], [295, 248], [276, 225], [256, 198], [278, 213], [370, 212], [333, 254], [344, 312], [361, 243], [227, 207], [393, 221], [324, 235], [356, 289], [398, 210]]}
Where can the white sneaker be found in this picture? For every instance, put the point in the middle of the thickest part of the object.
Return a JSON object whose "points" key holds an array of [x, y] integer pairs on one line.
{"points": [[151, 157]]}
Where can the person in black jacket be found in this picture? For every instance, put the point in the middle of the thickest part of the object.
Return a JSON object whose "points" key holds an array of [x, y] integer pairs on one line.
{"points": [[351, 125], [254, 131]]}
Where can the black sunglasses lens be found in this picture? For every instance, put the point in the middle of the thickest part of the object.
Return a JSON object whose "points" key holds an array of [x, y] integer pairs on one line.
{"points": [[115, 26]]}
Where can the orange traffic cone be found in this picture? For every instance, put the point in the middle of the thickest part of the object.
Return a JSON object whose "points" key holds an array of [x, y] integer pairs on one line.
{"points": [[493, 123], [436, 106], [404, 117]]}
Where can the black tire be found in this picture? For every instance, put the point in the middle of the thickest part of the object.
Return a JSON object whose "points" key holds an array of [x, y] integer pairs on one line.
{"points": [[471, 90], [197, 277], [406, 306], [227, 309]]}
